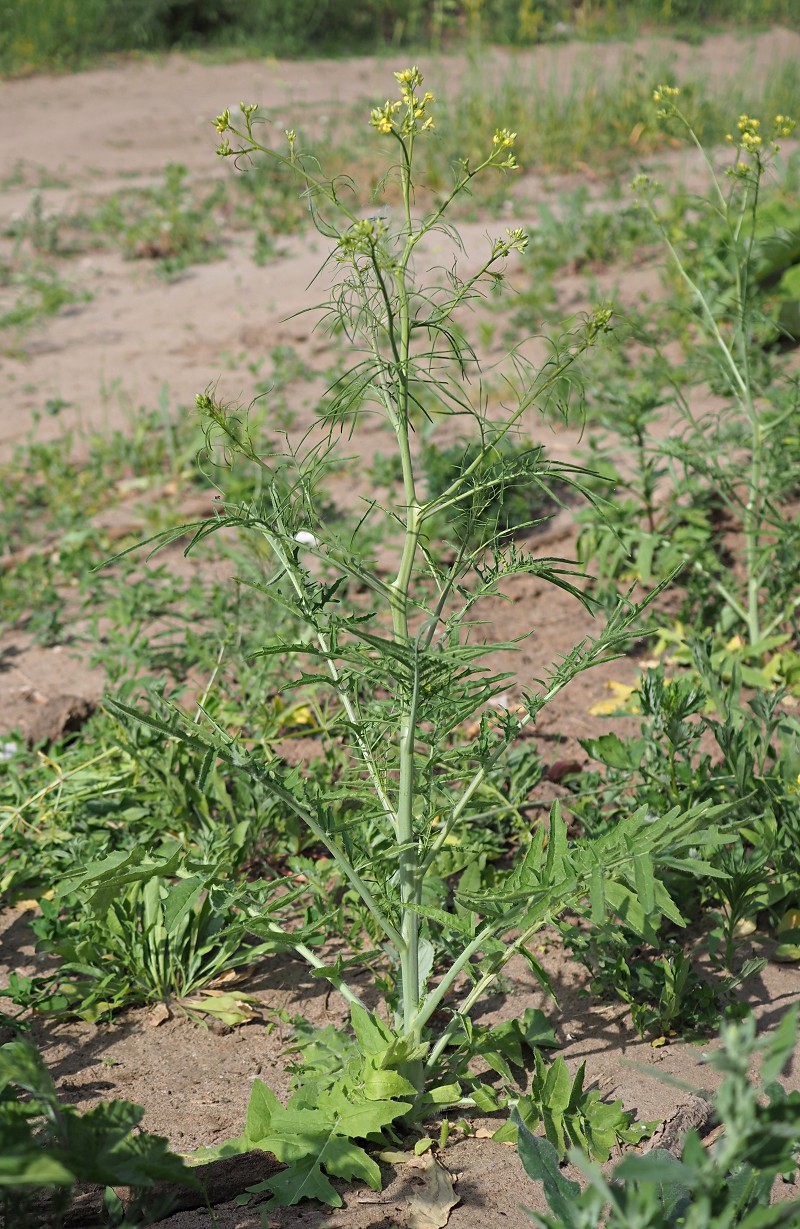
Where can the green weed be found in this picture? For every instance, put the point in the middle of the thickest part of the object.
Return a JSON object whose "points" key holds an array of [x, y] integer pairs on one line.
{"points": [[727, 1184], [709, 492], [162, 937], [36, 290], [50, 1146], [739, 452], [167, 224], [745, 885]]}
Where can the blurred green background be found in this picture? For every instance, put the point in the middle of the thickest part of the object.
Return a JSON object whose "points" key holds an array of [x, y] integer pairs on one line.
{"points": [[52, 34]]}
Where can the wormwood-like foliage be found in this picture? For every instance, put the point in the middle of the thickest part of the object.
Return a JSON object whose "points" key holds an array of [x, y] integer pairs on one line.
{"points": [[720, 1187], [407, 667]]}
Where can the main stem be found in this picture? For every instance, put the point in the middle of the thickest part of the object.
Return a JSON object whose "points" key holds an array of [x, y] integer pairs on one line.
{"points": [[408, 858]]}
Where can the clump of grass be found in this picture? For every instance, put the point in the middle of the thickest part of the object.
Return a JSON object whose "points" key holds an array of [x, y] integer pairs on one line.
{"points": [[169, 223], [36, 290]]}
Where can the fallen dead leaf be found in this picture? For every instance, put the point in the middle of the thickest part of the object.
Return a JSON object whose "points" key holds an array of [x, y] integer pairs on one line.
{"points": [[431, 1204], [621, 702]]}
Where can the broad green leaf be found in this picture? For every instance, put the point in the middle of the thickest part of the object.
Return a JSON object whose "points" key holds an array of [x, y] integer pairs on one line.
{"points": [[344, 1159], [443, 1094], [485, 1098], [30, 1167], [625, 905], [609, 749], [22, 1064], [302, 1180], [382, 1085], [666, 905], [495, 1060], [557, 1087], [262, 1105], [537, 1031], [372, 1034], [181, 897], [540, 1162], [107, 1151], [362, 1119], [557, 857], [644, 879], [553, 1123], [576, 1092], [507, 1133], [657, 1166]]}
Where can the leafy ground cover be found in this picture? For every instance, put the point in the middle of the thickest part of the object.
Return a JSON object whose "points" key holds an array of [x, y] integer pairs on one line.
{"points": [[311, 842]]}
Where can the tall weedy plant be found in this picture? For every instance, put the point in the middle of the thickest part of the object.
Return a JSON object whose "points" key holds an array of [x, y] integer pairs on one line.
{"points": [[408, 668], [740, 450]]}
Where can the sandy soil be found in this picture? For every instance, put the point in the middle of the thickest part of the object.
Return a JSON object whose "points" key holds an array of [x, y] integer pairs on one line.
{"points": [[96, 132]]}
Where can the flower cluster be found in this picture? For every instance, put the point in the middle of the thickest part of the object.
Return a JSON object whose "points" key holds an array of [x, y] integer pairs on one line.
{"points": [[664, 92], [408, 114], [501, 141], [749, 136], [223, 124], [752, 140], [361, 238], [645, 186], [517, 241]]}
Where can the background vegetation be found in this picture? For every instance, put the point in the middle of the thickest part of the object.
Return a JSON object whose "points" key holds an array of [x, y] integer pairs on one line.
{"points": [[46, 34]]}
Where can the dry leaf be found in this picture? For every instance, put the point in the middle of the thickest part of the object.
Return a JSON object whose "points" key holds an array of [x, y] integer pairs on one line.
{"points": [[230, 1008], [158, 1015], [621, 701], [230, 975], [432, 1202]]}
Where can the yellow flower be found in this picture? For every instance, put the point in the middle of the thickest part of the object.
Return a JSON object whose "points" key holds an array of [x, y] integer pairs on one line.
{"points": [[504, 138]]}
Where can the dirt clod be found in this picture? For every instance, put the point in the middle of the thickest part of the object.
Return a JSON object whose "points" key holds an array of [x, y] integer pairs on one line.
{"points": [[54, 718]]}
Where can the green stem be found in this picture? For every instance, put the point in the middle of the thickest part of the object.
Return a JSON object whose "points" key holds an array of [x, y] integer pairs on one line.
{"points": [[337, 982], [407, 843], [436, 997], [477, 991], [349, 707]]}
